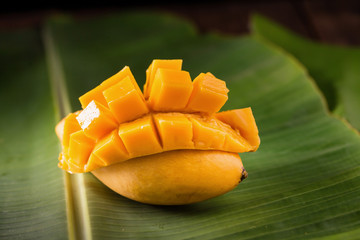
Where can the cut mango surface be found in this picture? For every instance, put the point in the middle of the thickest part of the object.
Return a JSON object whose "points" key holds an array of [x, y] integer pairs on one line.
{"points": [[156, 64], [209, 94], [119, 122], [170, 91], [124, 101]]}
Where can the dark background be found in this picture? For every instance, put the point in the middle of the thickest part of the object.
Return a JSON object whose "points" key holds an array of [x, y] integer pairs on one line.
{"points": [[332, 21]]}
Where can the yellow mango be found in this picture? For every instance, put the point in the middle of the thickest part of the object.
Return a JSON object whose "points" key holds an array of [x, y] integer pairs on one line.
{"points": [[156, 64], [125, 101], [170, 91], [234, 142], [97, 92], [186, 150], [74, 168], [80, 148], [119, 76], [96, 120], [175, 177], [243, 120], [209, 94], [207, 136], [93, 163], [170, 127], [63, 162], [110, 149], [140, 132], [66, 126], [94, 94]]}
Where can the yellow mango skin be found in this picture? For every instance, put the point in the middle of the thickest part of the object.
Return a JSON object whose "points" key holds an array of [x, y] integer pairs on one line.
{"points": [[175, 177]]}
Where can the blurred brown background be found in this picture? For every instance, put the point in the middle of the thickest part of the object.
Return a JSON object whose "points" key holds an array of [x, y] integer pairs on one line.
{"points": [[328, 21]]}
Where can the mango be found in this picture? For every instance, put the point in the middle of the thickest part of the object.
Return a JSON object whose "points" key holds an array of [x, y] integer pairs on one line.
{"points": [[172, 125], [170, 91], [169, 144], [242, 120], [96, 120], [140, 132], [156, 64], [174, 177], [124, 101], [209, 94], [97, 92]]}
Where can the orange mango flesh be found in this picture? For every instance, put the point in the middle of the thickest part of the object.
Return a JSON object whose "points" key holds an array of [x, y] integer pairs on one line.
{"points": [[170, 90], [140, 132], [107, 150], [122, 95], [95, 120], [243, 120], [97, 92], [172, 125], [156, 64], [118, 122], [209, 94], [80, 148]]}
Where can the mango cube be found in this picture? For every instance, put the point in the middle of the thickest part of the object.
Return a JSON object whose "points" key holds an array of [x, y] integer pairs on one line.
{"points": [[170, 127], [209, 94], [235, 143], [97, 92], [67, 126], [242, 120], [171, 90], [80, 147], [94, 94], [174, 64], [110, 149], [125, 101], [96, 120], [207, 136], [93, 163], [140, 137]]}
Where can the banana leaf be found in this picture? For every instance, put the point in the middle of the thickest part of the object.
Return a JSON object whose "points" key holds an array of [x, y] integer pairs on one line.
{"points": [[336, 69], [303, 181], [32, 193]]}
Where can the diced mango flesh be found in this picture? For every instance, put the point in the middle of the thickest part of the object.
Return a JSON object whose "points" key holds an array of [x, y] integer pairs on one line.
{"points": [[170, 91], [170, 127], [80, 148], [110, 149], [93, 94], [97, 92], [209, 94], [242, 120], [207, 136], [154, 133], [118, 122], [125, 102], [140, 132], [156, 64], [67, 126], [96, 120]]}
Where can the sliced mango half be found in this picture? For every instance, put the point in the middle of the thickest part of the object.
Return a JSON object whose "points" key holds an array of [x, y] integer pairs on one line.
{"points": [[119, 122]]}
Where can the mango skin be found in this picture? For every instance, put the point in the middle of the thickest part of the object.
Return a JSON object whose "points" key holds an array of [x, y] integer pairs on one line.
{"points": [[176, 177]]}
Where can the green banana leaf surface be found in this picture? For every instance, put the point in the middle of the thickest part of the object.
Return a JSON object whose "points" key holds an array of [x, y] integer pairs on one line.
{"points": [[336, 69], [304, 180]]}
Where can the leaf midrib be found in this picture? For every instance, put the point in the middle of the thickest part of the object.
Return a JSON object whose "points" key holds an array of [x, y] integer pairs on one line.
{"points": [[75, 192]]}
